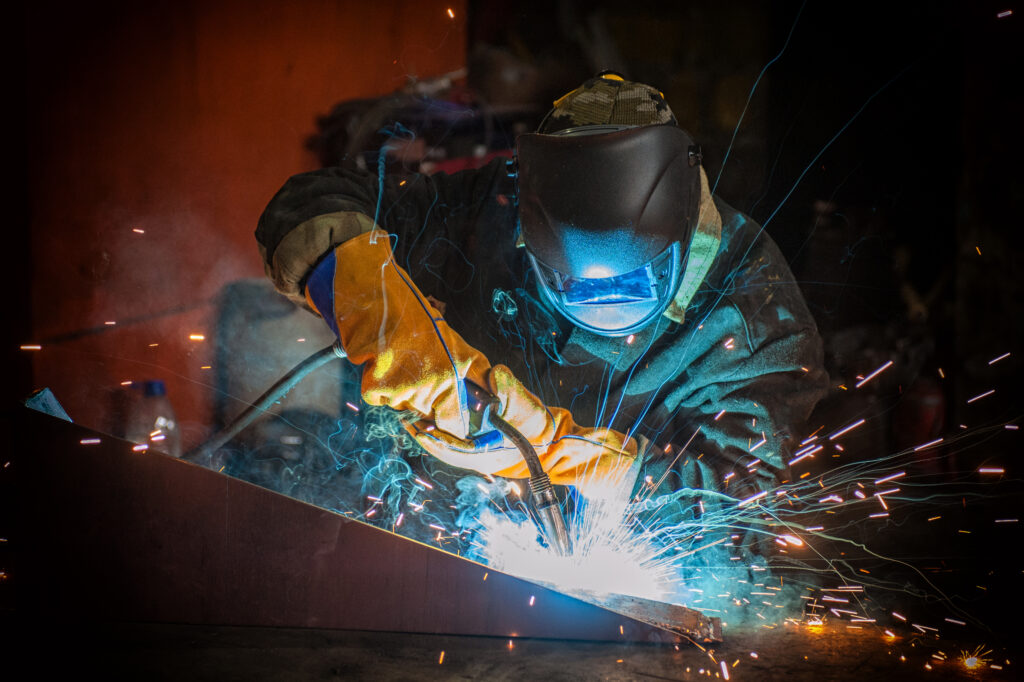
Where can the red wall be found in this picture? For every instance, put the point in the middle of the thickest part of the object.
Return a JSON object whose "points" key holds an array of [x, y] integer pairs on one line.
{"points": [[182, 120]]}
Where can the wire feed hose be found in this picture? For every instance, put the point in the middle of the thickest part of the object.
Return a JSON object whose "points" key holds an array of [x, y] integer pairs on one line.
{"points": [[203, 453]]}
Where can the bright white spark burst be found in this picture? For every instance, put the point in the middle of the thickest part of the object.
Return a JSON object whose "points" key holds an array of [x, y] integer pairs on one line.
{"points": [[610, 555]]}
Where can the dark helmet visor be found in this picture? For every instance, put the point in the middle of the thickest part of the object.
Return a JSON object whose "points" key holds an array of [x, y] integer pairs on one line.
{"points": [[613, 305]]}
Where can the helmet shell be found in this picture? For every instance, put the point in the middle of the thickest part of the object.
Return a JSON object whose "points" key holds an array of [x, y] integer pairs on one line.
{"points": [[621, 197]]}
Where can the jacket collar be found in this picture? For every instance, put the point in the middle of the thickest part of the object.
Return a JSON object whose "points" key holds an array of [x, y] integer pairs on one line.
{"points": [[701, 253]]}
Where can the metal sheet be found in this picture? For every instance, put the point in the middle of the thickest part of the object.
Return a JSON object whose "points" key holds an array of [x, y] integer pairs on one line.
{"points": [[108, 533]]}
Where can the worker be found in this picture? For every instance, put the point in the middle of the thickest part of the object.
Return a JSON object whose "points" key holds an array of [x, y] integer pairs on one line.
{"points": [[616, 309]]}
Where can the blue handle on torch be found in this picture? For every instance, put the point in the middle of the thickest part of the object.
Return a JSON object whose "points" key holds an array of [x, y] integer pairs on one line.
{"points": [[483, 434]]}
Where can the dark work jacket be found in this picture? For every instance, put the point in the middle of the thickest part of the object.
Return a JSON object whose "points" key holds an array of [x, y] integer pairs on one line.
{"points": [[742, 371]]}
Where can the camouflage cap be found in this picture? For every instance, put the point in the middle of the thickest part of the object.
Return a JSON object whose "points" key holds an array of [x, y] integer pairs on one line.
{"points": [[608, 99]]}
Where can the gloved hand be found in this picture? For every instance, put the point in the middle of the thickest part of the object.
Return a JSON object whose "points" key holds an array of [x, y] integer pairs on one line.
{"points": [[412, 359], [569, 453]]}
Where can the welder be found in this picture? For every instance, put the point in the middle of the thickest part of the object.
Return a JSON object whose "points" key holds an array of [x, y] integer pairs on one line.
{"points": [[593, 285]]}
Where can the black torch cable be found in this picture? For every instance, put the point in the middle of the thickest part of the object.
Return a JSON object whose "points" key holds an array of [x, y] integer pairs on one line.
{"points": [[203, 452], [521, 442]]}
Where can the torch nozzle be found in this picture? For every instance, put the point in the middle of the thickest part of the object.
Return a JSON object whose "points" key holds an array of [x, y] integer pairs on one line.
{"points": [[545, 502]]}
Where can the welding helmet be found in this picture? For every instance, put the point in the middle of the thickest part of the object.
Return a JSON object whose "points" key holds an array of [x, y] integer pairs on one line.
{"points": [[608, 191]]}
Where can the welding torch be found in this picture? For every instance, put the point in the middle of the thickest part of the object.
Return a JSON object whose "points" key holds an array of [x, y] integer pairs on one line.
{"points": [[483, 412], [483, 408]]}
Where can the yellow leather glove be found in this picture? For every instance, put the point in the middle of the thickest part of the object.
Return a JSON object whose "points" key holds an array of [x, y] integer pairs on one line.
{"points": [[570, 454], [412, 359]]}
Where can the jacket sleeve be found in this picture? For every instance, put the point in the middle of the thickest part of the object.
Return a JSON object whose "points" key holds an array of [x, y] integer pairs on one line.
{"points": [[317, 211], [753, 373]]}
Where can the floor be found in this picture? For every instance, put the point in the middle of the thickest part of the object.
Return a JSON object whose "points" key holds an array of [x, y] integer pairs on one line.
{"points": [[182, 652]]}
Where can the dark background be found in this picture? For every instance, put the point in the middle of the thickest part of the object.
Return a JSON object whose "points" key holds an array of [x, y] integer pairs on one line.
{"points": [[879, 149]]}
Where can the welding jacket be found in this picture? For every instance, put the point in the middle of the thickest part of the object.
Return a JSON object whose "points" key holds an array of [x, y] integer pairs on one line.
{"points": [[730, 371]]}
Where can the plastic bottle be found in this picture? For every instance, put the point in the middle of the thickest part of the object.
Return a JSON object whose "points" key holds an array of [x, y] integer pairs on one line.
{"points": [[153, 422]]}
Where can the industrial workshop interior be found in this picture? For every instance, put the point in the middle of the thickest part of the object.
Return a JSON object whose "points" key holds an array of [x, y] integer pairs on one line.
{"points": [[417, 340]]}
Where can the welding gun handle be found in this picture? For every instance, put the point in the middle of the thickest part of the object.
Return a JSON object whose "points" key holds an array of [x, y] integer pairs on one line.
{"points": [[481, 406], [477, 397]]}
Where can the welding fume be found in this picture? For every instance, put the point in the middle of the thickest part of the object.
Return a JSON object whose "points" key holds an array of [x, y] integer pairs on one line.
{"points": [[566, 314]]}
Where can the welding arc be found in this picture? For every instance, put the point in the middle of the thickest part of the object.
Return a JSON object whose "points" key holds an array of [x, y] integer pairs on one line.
{"points": [[286, 383]]}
